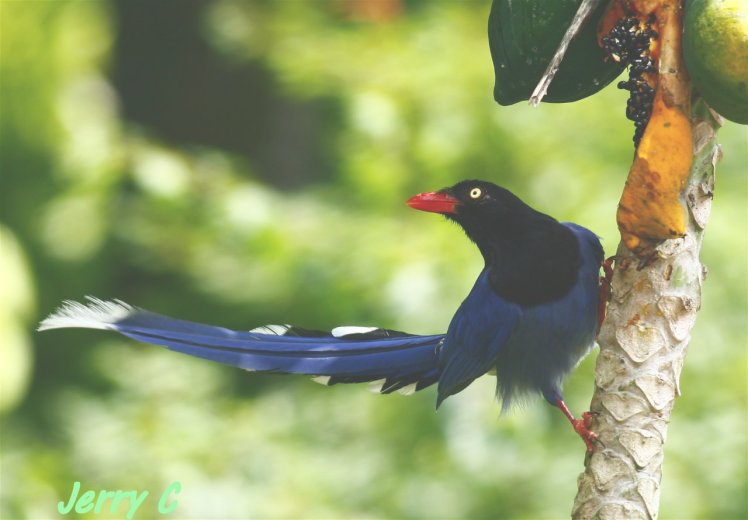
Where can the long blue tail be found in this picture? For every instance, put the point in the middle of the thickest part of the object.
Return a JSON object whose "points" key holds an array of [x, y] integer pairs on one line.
{"points": [[345, 355]]}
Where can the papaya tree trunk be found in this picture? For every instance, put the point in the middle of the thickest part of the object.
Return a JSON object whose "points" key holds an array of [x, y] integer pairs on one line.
{"points": [[643, 344]]}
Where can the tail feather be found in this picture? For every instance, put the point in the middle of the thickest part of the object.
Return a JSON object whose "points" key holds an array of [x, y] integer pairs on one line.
{"points": [[347, 355]]}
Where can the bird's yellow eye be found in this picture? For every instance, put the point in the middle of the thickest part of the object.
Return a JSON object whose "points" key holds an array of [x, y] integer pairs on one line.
{"points": [[475, 193]]}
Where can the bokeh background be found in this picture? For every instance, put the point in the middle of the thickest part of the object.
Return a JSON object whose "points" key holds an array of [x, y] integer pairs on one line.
{"points": [[246, 162]]}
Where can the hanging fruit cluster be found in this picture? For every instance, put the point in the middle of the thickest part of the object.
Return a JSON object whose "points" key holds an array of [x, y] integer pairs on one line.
{"points": [[651, 208], [661, 52], [524, 35]]}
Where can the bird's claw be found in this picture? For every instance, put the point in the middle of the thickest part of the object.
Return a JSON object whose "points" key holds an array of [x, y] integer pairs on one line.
{"points": [[582, 427]]}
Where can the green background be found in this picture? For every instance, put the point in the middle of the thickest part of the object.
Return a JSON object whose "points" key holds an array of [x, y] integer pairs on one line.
{"points": [[242, 163]]}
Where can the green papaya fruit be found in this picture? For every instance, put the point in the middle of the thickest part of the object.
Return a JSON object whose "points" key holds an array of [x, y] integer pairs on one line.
{"points": [[523, 36], [715, 49]]}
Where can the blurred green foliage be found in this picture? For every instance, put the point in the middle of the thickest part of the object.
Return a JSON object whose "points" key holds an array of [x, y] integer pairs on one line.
{"points": [[351, 107]]}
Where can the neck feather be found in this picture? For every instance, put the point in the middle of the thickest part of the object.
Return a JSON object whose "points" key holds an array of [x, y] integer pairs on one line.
{"points": [[530, 262]]}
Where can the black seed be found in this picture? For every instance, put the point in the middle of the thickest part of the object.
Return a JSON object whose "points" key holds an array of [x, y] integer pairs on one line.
{"points": [[628, 42]]}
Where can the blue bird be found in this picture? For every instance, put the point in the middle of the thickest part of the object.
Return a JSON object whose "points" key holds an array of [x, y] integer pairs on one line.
{"points": [[531, 316]]}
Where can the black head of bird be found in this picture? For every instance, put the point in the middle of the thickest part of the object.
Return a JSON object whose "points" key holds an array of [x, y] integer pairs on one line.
{"points": [[533, 259]]}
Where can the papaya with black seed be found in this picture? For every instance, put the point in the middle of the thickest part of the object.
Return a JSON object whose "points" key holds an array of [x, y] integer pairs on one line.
{"points": [[523, 37]]}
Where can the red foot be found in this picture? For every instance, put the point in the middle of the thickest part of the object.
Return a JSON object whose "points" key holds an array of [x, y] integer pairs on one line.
{"points": [[605, 291], [581, 426]]}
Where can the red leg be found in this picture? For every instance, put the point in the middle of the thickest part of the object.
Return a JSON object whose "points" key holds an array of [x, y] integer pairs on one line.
{"points": [[604, 297], [581, 426]]}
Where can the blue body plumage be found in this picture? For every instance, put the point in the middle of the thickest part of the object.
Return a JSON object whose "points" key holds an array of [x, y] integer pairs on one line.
{"points": [[531, 316], [531, 348]]}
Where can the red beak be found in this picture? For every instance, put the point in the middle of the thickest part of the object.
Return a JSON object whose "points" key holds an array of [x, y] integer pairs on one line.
{"points": [[435, 202]]}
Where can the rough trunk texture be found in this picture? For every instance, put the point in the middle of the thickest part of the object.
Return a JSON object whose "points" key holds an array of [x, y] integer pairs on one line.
{"points": [[643, 344]]}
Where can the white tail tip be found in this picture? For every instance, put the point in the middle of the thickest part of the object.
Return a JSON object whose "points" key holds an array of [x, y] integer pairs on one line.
{"points": [[375, 387], [408, 390], [347, 330], [273, 330], [97, 314]]}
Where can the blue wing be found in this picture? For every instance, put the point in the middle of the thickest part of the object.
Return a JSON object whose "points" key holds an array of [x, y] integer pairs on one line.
{"points": [[482, 325]]}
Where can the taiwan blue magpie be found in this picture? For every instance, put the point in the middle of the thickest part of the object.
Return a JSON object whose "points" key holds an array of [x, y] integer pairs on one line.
{"points": [[531, 316]]}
